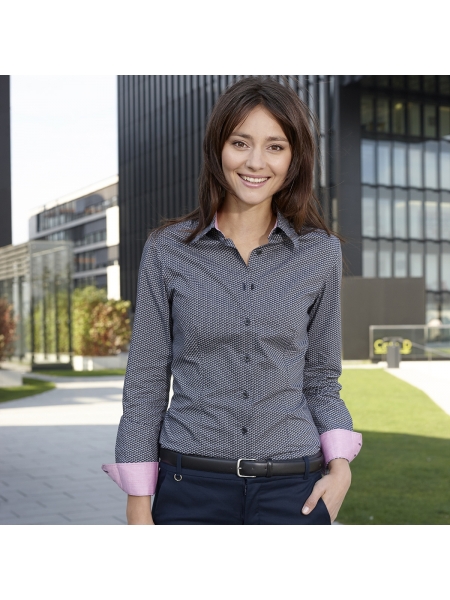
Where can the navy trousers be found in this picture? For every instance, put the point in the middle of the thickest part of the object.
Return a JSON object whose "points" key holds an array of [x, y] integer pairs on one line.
{"points": [[188, 497]]}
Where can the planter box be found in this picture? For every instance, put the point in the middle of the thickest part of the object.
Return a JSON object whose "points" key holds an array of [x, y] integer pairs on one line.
{"points": [[95, 363], [10, 378]]}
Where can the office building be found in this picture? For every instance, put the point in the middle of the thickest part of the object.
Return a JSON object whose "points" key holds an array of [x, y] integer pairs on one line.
{"points": [[384, 184], [89, 219]]}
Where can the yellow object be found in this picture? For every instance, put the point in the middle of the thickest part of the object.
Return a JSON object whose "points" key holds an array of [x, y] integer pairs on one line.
{"points": [[380, 347]]}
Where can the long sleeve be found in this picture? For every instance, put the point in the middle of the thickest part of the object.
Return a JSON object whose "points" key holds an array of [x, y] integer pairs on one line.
{"points": [[323, 369], [147, 382]]}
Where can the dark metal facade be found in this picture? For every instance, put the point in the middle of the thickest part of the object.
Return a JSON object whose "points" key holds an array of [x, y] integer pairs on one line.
{"points": [[5, 162], [161, 125]]}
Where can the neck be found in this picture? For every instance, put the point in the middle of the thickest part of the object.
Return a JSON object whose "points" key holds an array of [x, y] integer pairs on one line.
{"points": [[249, 223]]}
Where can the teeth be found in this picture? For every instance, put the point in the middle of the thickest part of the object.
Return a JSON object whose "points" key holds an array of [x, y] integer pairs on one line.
{"points": [[254, 179]]}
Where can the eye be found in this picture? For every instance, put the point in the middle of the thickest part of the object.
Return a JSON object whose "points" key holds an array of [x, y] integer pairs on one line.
{"points": [[276, 147], [239, 144]]}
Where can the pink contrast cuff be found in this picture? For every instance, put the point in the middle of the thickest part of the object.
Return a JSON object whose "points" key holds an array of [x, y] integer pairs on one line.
{"points": [[136, 479], [340, 443]]}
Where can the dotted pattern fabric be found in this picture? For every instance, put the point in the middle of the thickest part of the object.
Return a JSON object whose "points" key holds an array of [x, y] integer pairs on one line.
{"points": [[254, 350]]}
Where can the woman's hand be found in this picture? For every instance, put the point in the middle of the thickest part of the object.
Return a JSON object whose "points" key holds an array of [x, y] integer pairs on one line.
{"points": [[332, 488], [139, 510]]}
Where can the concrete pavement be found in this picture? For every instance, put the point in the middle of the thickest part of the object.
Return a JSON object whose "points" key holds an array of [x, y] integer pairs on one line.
{"points": [[51, 449]]}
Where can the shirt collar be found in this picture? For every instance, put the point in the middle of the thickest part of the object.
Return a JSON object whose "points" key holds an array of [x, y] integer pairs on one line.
{"points": [[280, 223]]}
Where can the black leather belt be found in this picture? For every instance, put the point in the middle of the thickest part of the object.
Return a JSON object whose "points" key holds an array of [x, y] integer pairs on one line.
{"points": [[244, 467]]}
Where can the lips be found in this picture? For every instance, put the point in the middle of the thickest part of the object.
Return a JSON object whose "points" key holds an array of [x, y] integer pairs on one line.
{"points": [[251, 181]]}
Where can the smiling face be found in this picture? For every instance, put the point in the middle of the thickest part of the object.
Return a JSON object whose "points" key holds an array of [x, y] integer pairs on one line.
{"points": [[256, 159]]}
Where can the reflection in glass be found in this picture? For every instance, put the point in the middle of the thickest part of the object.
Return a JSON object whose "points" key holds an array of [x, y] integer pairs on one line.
{"points": [[432, 308], [369, 258], [368, 212], [429, 120], [400, 219], [444, 122], [415, 165], [413, 118], [415, 259], [384, 163], [445, 217], [415, 214], [368, 161], [368, 81], [400, 163], [445, 267], [413, 82], [445, 309], [432, 266], [400, 259], [383, 115], [382, 80], [398, 81], [398, 117], [431, 164], [367, 112], [431, 216], [429, 84], [445, 165], [384, 212], [385, 259]]}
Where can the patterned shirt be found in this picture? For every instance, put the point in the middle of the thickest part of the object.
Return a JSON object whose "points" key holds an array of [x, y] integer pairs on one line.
{"points": [[254, 351]]}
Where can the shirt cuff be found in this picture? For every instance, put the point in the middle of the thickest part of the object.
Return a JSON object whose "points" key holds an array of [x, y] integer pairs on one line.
{"points": [[340, 443], [136, 479]]}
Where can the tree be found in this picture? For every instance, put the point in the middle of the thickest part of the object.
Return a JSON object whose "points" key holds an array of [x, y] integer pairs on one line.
{"points": [[7, 329]]}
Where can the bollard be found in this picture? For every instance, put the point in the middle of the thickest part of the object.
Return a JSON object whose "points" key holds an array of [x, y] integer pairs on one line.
{"points": [[393, 356]]}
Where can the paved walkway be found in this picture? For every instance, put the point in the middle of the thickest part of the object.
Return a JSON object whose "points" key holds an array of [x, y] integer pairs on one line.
{"points": [[52, 446], [51, 449]]}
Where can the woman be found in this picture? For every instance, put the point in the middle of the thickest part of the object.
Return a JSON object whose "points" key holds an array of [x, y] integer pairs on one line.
{"points": [[239, 301]]}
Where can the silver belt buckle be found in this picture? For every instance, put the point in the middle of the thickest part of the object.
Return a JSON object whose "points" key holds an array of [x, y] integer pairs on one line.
{"points": [[239, 467]]}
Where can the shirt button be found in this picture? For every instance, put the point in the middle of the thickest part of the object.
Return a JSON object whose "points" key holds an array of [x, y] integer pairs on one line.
{"points": [[252, 286], [245, 394], [244, 430], [247, 358], [259, 251], [247, 321]]}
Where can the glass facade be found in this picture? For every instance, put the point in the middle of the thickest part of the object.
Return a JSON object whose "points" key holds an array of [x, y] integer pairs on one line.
{"points": [[405, 177]]}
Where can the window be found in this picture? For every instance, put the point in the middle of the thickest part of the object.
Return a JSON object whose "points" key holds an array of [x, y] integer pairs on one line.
{"points": [[415, 259], [383, 115], [384, 212], [414, 118], [444, 122], [369, 258], [429, 84], [400, 217], [413, 83], [368, 212], [431, 216], [445, 216], [400, 259], [415, 165], [431, 164], [415, 214], [368, 161], [429, 117], [367, 113], [445, 267], [432, 266], [400, 164], [384, 163], [385, 259], [445, 165], [398, 117]]}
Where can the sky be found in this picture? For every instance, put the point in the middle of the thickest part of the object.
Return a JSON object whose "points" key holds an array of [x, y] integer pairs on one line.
{"points": [[63, 138]]}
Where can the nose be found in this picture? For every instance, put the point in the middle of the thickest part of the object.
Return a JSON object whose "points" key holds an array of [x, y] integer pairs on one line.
{"points": [[255, 160]]}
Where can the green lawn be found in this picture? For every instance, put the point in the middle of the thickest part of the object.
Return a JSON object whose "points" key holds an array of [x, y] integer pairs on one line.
{"points": [[30, 387], [402, 474], [69, 373]]}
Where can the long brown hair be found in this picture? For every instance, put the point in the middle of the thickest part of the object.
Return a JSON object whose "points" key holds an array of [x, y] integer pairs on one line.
{"points": [[296, 199]]}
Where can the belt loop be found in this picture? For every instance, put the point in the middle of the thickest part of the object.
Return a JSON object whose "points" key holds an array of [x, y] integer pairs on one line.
{"points": [[178, 476], [269, 467], [306, 459]]}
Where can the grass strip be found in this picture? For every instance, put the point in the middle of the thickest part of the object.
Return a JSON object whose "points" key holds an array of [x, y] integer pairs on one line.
{"points": [[30, 387], [402, 473], [69, 373]]}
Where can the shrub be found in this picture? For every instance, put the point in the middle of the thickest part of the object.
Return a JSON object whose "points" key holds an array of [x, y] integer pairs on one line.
{"points": [[7, 329], [101, 327]]}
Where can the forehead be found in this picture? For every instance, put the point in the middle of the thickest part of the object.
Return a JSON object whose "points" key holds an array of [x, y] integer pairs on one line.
{"points": [[259, 119]]}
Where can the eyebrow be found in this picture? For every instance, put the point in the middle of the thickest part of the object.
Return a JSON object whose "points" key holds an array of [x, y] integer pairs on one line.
{"points": [[269, 139]]}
